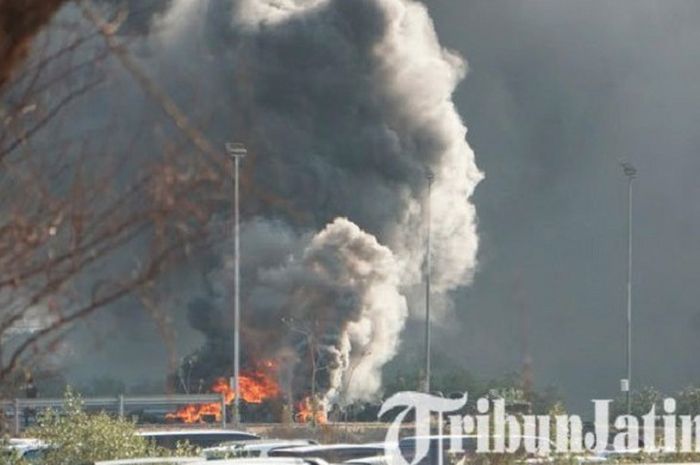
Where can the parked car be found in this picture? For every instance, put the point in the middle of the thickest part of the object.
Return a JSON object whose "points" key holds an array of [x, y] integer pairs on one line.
{"points": [[253, 447], [378, 460], [266, 461], [441, 445], [169, 438], [152, 461], [31, 450], [334, 453]]}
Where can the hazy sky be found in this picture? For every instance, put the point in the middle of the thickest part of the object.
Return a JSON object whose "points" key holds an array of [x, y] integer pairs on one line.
{"points": [[558, 92]]}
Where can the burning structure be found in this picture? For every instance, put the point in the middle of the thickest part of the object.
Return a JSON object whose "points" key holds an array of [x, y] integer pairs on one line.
{"points": [[256, 387]]}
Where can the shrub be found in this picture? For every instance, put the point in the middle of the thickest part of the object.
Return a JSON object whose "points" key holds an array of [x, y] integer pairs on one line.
{"points": [[77, 437]]}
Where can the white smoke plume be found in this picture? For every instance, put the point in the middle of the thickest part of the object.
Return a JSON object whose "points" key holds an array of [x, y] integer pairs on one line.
{"points": [[340, 298], [268, 12]]}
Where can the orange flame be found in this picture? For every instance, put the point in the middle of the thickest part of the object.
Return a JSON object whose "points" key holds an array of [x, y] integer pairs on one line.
{"points": [[305, 412], [256, 386]]}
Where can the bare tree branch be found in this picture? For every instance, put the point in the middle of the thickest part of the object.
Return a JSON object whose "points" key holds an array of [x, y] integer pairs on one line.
{"points": [[20, 22]]}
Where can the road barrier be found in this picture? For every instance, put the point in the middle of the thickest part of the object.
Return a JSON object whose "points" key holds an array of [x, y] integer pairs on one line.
{"points": [[16, 408]]}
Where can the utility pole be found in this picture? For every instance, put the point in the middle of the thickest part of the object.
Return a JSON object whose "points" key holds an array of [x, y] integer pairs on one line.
{"points": [[237, 152], [430, 177], [631, 173]]}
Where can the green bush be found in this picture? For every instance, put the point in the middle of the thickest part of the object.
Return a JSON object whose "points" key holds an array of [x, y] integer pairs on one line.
{"points": [[77, 437]]}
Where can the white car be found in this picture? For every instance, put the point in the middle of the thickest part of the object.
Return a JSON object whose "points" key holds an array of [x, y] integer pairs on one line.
{"points": [[253, 448], [265, 461], [29, 449], [169, 438], [152, 461], [378, 460], [334, 453], [442, 445]]}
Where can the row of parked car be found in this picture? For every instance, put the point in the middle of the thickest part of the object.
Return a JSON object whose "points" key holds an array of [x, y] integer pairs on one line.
{"points": [[228, 447]]}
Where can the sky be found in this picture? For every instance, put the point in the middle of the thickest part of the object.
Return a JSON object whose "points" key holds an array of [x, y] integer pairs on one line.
{"points": [[557, 93]]}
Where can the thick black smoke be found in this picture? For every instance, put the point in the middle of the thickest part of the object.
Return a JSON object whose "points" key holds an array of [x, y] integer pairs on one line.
{"points": [[345, 106]]}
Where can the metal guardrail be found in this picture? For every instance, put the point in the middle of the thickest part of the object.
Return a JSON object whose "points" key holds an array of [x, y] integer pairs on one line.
{"points": [[119, 404]]}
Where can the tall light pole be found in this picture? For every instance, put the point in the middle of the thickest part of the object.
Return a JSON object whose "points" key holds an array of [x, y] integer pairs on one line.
{"points": [[429, 176], [631, 173], [237, 152]]}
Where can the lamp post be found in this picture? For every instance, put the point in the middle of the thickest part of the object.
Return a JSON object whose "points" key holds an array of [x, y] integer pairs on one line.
{"points": [[631, 173], [430, 177], [237, 152]]}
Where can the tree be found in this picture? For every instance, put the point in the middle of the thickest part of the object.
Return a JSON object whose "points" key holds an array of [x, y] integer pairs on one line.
{"points": [[20, 22], [89, 218], [640, 403], [311, 333], [688, 401], [404, 373], [85, 221]]}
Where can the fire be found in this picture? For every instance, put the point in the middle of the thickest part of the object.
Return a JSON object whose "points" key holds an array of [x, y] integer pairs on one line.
{"points": [[194, 413], [305, 412], [221, 386], [256, 386]]}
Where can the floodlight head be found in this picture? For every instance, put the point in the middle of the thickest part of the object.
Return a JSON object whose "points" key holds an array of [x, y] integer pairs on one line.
{"points": [[429, 175], [629, 170], [236, 149]]}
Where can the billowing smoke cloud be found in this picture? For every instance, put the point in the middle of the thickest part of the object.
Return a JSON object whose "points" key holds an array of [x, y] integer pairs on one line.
{"points": [[349, 105], [345, 107], [340, 300]]}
